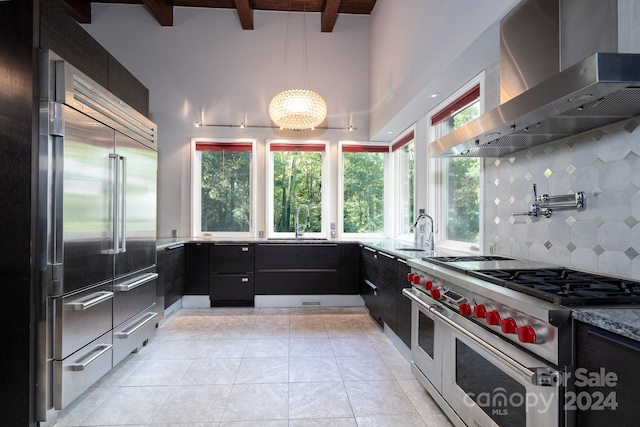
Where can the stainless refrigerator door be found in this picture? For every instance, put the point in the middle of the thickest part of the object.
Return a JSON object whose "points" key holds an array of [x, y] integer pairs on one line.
{"points": [[136, 218], [87, 201]]}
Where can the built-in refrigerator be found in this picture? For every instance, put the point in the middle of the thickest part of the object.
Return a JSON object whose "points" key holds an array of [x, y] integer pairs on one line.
{"points": [[96, 234]]}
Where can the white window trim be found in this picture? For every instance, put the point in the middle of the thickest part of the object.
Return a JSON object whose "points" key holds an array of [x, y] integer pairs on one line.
{"points": [[326, 185], [395, 221], [340, 225], [196, 176], [435, 195]]}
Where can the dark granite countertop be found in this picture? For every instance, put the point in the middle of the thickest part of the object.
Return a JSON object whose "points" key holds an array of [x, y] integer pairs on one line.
{"points": [[399, 248], [621, 320]]}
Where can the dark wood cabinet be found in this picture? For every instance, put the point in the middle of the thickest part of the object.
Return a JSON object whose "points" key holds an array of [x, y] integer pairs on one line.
{"points": [[369, 279], [349, 269], [231, 275], [404, 304], [171, 274], [61, 33], [388, 292], [197, 269], [607, 357], [297, 269]]}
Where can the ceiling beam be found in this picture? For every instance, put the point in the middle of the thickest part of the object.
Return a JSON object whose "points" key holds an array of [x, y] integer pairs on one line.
{"points": [[245, 13], [329, 15], [162, 10], [79, 10]]}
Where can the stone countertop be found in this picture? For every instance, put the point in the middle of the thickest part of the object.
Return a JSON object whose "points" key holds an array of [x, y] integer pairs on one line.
{"points": [[621, 320], [399, 248]]}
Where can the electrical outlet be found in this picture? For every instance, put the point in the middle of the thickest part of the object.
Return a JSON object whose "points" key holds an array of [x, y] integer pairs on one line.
{"points": [[261, 234], [333, 226], [333, 234], [421, 211]]}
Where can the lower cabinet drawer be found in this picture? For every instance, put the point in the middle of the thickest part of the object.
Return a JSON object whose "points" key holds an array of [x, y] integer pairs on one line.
{"points": [[131, 335], [230, 288], [81, 369], [298, 282], [133, 294]]}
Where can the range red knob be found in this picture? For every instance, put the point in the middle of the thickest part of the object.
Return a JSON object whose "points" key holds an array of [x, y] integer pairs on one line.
{"points": [[417, 279], [465, 309], [428, 285], [509, 325], [435, 293], [493, 318], [410, 277], [528, 335], [480, 311]]}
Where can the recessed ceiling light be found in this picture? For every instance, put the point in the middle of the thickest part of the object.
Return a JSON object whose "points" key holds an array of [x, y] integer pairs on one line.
{"points": [[434, 95], [390, 132]]}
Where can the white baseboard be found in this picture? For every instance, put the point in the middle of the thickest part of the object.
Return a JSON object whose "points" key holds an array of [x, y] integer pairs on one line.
{"points": [[308, 301], [196, 301]]}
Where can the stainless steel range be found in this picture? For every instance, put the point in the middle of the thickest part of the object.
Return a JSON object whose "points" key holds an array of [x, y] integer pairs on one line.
{"points": [[492, 336]]}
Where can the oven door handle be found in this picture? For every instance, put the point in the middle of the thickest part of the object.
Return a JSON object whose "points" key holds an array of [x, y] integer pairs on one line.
{"points": [[520, 369]]}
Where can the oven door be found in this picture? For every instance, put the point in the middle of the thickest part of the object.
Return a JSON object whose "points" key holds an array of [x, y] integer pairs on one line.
{"points": [[426, 340], [489, 382]]}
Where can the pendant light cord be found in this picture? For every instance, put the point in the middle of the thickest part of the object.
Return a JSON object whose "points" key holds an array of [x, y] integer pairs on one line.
{"points": [[304, 44], [286, 41]]}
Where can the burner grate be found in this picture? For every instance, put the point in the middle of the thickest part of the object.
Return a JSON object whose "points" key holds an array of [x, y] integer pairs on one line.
{"points": [[565, 286]]}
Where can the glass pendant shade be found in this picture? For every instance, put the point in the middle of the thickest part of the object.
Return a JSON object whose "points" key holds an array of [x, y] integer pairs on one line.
{"points": [[297, 109]]}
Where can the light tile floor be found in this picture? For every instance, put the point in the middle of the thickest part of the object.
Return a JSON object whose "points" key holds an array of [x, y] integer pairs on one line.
{"points": [[237, 367]]}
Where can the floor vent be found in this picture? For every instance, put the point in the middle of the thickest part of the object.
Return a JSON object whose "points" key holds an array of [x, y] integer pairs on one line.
{"points": [[310, 303]]}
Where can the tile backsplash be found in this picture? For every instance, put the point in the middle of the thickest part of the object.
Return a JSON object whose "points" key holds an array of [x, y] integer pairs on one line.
{"points": [[604, 236]]}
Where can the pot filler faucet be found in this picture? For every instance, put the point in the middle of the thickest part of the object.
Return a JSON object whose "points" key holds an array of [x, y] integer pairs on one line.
{"points": [[303, 226], [419, 238]]}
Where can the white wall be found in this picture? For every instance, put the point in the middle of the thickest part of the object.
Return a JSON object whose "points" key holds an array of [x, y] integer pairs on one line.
{"points": [[423, 46], [206, 68]]}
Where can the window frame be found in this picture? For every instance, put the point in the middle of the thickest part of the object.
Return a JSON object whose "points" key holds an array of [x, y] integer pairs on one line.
{"points": [[196, 183], [438, 168], [407, 137], [326, 182], [340, 223]]}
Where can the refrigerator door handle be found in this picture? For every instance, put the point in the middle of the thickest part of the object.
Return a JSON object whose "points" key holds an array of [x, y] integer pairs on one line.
{"points": [[113, 159], [123, 206]]}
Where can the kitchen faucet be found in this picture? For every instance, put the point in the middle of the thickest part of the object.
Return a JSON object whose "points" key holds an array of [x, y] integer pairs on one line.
{"points": [[422, 216], [298, 225]]}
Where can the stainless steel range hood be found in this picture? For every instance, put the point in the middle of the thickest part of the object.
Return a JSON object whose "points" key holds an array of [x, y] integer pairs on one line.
{"points": [[601, 89]]}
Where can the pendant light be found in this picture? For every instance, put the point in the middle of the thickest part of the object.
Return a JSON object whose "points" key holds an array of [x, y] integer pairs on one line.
{"points": [[297, 109]]}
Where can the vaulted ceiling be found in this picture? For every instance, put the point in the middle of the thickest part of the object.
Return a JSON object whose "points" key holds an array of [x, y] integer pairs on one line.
{"points": [[162, 10]]}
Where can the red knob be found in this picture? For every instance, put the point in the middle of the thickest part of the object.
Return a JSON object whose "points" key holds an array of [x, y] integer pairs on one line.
{"points": [[480, 311], [527, 335], [410, 277], [509, 325], [428, 285], [416, 279], [493, 318], [465, 309], [435, 293]]}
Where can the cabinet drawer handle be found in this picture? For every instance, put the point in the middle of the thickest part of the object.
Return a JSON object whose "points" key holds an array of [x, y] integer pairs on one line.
{"points": [[102, 349], [371, 285], [369, 249], [90, 300], [245, 249], [125, 287], [146, 319], [387, 255], [245, 279]]}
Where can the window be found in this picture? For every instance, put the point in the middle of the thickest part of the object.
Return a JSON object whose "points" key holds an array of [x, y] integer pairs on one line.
{"points": [[297, 172], [363, 169], [222, 187], [404, 194], [458, 179]]}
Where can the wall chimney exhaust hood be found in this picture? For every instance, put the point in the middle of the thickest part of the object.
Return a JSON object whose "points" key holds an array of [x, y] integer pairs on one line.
{"points": [[540, 105]]}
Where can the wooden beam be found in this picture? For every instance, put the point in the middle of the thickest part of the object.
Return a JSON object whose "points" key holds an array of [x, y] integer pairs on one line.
{"points": [[245, 13], [80, 10], [329, 15], [162, 10]]}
